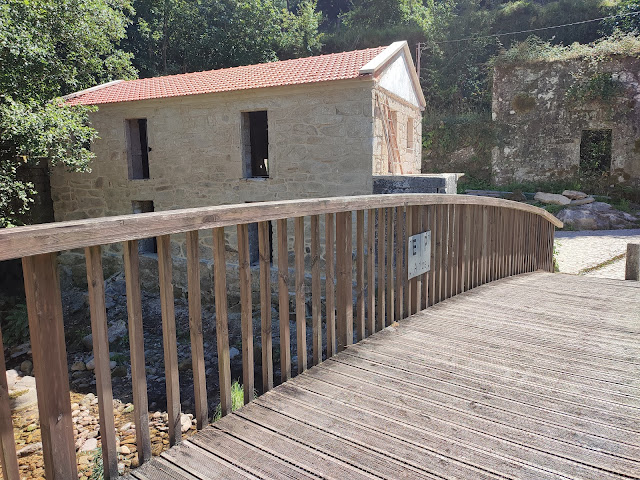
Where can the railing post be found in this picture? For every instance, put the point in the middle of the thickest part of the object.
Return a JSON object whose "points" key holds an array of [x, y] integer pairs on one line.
{"points": [[95, 280], [632, 267], [264, 250], [46, 327], [344, 267], [195, 330], [136, 347], [8, 459], [222, 319]]}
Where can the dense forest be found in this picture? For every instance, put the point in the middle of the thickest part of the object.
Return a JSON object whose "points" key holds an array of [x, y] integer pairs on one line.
{"points": [[50, 48]]}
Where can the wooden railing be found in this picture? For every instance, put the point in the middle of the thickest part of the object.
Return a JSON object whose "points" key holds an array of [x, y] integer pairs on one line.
{"points": [[474, 241]]}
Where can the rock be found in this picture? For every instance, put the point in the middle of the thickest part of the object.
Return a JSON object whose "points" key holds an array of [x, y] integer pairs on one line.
{"points": [[12, 377], [552, 198], [574, 195], [124, 450], [112, 364], [516, 196], [89, 445], [126, 426], [185, 365], [78, 367], [582, 201], [116, 331], [119, 371], [185, 422], [128, 409], [233, 353], [87, 341], [596, 216], [91, 364], [26, 367], [29, 449]]}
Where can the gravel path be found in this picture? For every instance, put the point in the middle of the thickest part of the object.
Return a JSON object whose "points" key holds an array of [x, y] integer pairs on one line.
{"points": [[579, 250]]}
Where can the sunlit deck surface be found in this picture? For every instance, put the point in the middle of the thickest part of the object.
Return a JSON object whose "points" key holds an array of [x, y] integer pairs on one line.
{"points": [[530, 377]]}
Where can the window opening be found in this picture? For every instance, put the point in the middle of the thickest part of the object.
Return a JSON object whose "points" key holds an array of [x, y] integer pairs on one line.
{"points": [[137, 149], [595, 151], [255, 142], [145, 245], [410, 133]]}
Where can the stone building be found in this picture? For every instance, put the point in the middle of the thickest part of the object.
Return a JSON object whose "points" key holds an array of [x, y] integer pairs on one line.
{"points": [[555, 120], [310, 127]]}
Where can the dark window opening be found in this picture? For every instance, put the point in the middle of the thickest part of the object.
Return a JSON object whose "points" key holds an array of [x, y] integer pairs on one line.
{"points": [[145, 245], [595, 151], [137, 149], [255, 143]]}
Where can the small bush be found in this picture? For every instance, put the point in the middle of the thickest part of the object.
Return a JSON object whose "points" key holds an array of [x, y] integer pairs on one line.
{"points": [[15, 327], [237, 400]]}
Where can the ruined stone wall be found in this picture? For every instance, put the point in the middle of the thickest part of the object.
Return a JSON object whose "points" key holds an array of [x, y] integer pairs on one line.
{"points": [[410, 152], [539, 123]]}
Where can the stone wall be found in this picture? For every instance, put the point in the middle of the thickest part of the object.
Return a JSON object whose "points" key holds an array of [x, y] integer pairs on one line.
{"points": [[410, 151], [320, 145], [540, 122]]}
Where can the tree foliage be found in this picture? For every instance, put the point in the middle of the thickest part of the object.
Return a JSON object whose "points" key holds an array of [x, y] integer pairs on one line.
{"points": [[49, 48]]}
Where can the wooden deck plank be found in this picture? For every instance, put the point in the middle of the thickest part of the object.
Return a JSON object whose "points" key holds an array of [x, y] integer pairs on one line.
{"points": [[446, 420], [492, 383]]}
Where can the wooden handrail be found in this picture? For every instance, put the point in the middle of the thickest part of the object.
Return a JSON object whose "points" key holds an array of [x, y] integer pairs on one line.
{"points": [[474, 240], [54, 237]]}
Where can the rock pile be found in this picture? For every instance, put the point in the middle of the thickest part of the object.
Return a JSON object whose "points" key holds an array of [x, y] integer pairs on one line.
{"points": [[86, 429], [568, 197]]}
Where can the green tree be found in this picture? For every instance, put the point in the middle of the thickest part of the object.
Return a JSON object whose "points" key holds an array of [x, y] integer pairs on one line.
{"points": [[50, 48]]}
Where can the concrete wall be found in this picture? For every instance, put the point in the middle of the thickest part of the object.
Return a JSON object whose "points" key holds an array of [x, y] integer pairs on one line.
{"points": [[540, 126]]}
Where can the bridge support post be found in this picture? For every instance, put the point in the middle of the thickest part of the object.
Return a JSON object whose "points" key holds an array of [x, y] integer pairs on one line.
{"points": [[632, 269]]}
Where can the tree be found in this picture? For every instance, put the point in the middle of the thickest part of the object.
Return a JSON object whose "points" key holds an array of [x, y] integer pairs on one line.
{"points": [[50, 48]]}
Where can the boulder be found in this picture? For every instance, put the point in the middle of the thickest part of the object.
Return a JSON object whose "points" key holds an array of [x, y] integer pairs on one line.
{"points": [[582, 201], [26, 367], [596, 216], [552, 198], [78, 366], [574, 194]]}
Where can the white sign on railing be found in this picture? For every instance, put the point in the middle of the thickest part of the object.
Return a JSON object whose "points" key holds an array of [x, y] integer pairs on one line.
{"points": [[419, 254]]}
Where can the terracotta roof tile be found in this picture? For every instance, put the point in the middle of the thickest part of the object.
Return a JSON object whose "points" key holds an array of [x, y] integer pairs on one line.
{"points": [[336, 66]]}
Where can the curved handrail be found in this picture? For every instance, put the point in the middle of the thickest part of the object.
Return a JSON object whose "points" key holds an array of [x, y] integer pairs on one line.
{"points": [[54, 237]]}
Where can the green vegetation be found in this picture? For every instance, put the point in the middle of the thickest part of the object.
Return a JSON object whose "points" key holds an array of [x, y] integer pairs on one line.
{"points": [[50, 48], [237, 400], [15, 325]]}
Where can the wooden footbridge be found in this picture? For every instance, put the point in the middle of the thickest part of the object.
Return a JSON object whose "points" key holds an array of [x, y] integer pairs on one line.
{"points": [[487, 366]]}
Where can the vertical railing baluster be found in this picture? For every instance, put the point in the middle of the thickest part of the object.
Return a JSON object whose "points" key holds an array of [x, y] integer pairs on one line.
{"points": [[316, 320], [283, 301], [344, 287], [266, 342], [416, 285], [195, 329], [46, 328], [246, 312], [8, 458], [485, 245], [371, 280], [222, 321], [169, 338], [330, 307], [404, 255], [380, 324], [390, 284], [441, 249], [450, 250], [425, 215], [399, 290], [433, 226], [136, 349], [360, 330], [301, 306], [98, 314], [463, 231]]}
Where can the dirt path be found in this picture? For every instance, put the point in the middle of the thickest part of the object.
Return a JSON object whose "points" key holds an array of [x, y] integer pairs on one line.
{"points": [[596, 253]]}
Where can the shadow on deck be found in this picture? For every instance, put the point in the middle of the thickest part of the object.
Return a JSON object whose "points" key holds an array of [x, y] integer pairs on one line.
{"points": [[530, 377]]}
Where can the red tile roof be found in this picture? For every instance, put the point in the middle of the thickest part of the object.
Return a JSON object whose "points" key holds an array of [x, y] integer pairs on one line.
{"points": [[336, 66]]}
